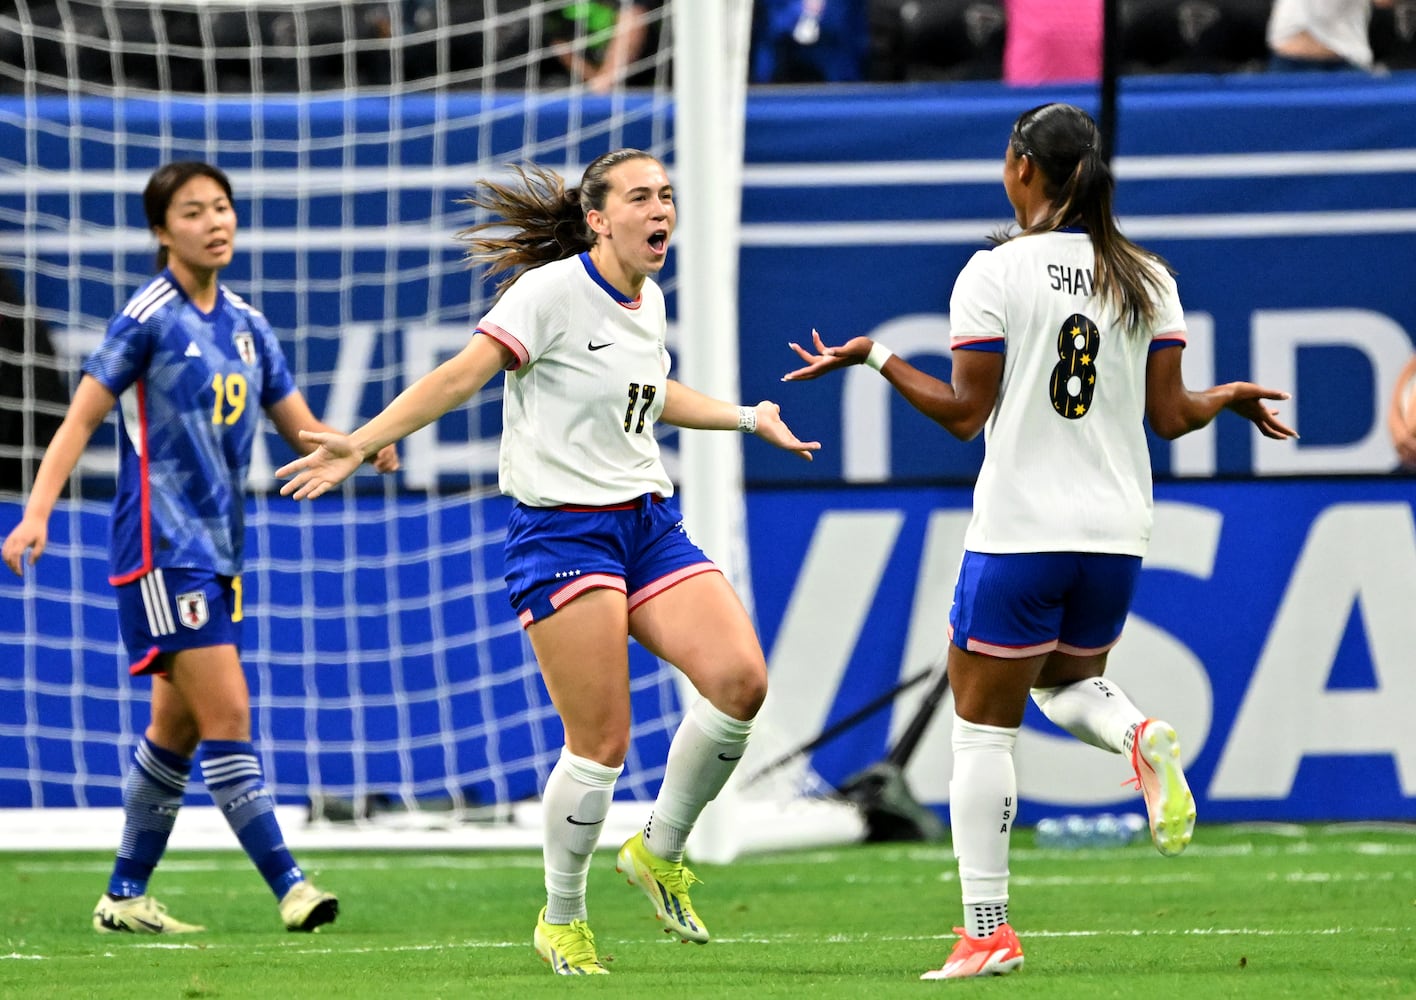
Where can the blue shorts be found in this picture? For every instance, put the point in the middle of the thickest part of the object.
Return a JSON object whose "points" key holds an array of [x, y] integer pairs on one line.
{"points": [[168, 610], [1023, 604], [555, 554]]}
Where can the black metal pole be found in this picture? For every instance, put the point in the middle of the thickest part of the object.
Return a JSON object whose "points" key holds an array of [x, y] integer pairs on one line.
{"points": [[840, 726], [1110, 69], [914, 732]]}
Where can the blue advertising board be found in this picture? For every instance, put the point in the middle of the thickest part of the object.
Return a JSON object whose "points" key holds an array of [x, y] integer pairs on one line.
{"points": [[1287, 207], [1272, 626]]}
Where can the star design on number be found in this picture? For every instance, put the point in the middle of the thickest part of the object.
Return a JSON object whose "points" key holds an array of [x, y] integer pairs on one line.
{"points": [[1080, 409], [1086, 360]]}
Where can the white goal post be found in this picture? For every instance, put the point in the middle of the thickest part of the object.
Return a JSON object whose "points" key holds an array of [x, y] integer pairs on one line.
{"points": [[395, 699]]}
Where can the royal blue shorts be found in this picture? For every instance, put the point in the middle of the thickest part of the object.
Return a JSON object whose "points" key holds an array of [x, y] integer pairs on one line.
{"points": [[1022, 604], [168, 610], [555, 554]]}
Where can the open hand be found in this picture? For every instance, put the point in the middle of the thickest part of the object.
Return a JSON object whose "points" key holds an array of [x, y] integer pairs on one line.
{"points": [[315, 474], [1247, 400], [828, 359], [772, 429]]}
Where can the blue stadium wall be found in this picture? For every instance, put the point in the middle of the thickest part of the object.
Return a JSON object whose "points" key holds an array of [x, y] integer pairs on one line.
{"points": [[1274, 623]]}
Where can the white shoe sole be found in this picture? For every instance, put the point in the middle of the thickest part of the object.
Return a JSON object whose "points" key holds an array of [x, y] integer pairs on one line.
{"points": [[1169, 803]]}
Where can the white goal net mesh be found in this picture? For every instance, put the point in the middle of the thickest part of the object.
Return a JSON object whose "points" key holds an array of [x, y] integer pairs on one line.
{"points": [[388, 672]]}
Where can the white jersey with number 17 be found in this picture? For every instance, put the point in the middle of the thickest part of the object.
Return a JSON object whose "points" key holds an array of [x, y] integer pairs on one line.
{"points": [[1066, 467], [585, 389]]}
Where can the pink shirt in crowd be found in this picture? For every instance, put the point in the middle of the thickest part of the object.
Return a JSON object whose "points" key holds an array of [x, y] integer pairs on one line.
{"points": [[1052, 41]]}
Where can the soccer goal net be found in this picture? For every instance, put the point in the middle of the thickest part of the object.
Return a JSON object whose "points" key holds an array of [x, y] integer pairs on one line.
{"points": [[392, 685]]}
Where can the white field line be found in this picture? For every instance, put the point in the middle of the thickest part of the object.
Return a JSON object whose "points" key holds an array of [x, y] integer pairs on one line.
{"points": [[294, 949]]}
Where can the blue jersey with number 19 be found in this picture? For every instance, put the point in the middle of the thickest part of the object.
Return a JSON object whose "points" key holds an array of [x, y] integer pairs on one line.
{"points": [[189, 386]]}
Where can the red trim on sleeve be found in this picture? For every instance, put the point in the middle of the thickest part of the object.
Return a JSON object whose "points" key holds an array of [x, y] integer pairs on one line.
{"points": [[976, 344], [508, 341]]}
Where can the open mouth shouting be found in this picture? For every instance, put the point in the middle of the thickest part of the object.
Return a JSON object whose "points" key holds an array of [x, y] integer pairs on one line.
{"points": [[659, 241]]}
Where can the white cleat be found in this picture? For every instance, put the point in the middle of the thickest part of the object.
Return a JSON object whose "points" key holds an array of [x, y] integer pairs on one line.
{"points": [[137, 915], [305, 908], [1155, 755]]}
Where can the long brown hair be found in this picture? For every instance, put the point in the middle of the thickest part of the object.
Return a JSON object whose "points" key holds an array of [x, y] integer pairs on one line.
{"points": [[1064, 142], [547, 219], [163, 186]]}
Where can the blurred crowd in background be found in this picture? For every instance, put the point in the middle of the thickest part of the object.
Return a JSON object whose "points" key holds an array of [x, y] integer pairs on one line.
{"points": [[237, 48]]}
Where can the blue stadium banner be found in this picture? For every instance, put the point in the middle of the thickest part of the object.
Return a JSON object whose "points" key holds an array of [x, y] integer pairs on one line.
{"points": [[1287, 206]]}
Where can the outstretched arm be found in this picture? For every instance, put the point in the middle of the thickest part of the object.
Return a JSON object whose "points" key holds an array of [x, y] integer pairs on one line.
{"points": [[961, 406], [450, 384], [90, 405], [1174, 410], [685, 407]]}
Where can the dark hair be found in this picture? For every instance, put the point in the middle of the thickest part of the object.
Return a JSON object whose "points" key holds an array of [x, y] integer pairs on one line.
{"points": [[163, 186], [1063, 141], [547, 218]]}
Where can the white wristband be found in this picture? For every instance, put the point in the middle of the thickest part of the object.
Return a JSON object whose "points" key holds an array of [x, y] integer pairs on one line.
{"points": [[879, 354], [747, 419]]}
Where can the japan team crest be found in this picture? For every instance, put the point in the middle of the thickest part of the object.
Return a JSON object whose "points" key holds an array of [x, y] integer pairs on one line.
{"points": [[192, 609], [246, 347]]}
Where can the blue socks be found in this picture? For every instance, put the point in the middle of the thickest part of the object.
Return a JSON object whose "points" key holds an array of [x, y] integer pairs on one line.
{"points": [[232, 774], [152, 794]]}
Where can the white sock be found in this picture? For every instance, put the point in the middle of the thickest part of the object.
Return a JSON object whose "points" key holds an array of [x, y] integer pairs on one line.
{"points": [[1095, 711], [702, 757], [983, 802], [576, 801]]}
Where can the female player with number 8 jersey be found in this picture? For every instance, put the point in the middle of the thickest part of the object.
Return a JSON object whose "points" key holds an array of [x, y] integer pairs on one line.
{"points": [[192, 366], [1065, 336]]}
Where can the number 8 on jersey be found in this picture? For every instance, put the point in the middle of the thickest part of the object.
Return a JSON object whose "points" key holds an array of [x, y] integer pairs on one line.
{"points": [[1073, 380]]}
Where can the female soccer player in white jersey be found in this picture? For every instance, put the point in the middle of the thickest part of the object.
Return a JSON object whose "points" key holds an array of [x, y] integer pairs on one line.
{"points": [[191, 364], [1065, 336], [595, 552]]}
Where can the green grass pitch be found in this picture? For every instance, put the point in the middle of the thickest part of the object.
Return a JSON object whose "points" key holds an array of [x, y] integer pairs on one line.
{"points": [[1257, 911]]}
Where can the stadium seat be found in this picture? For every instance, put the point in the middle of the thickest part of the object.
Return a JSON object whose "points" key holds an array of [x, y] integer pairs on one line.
{"points": [[1393, 35], [1193, 36], [432, 39], [318, 50], [938, 40]]}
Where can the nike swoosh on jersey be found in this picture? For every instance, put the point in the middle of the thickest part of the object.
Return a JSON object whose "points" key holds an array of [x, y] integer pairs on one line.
{"points": [[723, 756], [597, 347], [575, 822]]}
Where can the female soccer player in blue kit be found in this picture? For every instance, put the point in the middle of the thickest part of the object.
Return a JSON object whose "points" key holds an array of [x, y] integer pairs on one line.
{"points": [[595, 552], [191, 364], [1065, 336]]}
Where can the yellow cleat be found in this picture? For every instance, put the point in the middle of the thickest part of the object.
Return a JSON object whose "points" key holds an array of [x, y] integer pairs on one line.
{"points": [[569, 948], [666, 884]]}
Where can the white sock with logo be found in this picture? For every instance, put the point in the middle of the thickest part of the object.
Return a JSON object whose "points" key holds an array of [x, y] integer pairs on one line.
{"points": [[1095, 711], [704, 753], [983, 802], [576, 801]]}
